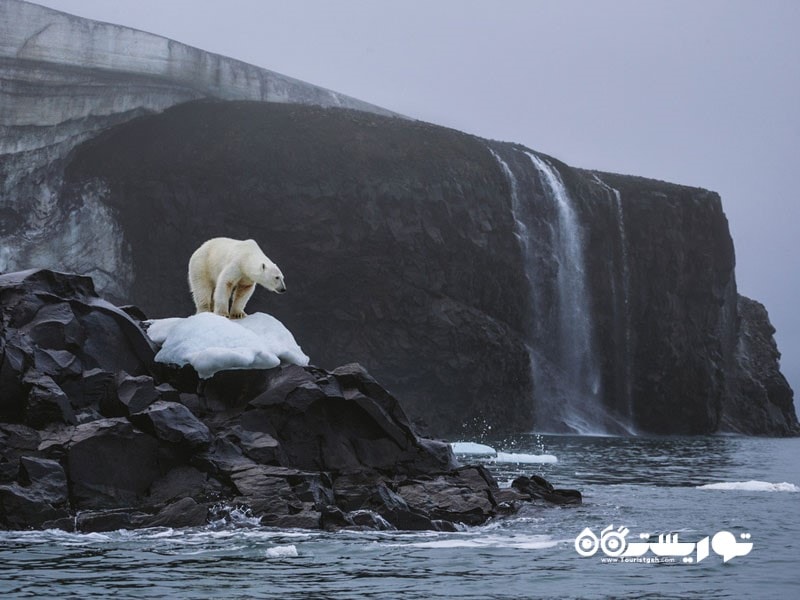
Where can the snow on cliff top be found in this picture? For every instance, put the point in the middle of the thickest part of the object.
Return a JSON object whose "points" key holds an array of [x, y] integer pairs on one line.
{"points": [[211, 343]]}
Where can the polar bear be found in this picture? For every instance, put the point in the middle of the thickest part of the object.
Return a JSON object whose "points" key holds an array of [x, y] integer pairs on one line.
{"points": [[223, 274]]}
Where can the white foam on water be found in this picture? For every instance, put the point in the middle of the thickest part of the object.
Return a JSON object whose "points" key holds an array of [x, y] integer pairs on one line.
{"points": [[56, 536], [288, 551], [512, 457], [243, 516], [167, 532], [751, 486], [472, 448], [522, 542]]}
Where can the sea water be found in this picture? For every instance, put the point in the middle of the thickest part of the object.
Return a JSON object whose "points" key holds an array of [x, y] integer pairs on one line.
{"points": [[688, 488]]}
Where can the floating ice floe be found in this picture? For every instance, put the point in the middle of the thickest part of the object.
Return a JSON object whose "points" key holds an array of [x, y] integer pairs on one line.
{"points": [[512, 457], [475, 449], [211, 343], [472, 448], [289, 551], [751, 486]]}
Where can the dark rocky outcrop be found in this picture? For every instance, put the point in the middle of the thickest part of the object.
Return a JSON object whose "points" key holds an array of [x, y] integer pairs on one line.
{"points": [[55, 330], [761, 401], [538, 487], [94, 435]]}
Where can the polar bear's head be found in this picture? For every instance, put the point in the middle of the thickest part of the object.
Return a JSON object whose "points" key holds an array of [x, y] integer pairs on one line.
{"points": [[270, 276], [255, 265]]}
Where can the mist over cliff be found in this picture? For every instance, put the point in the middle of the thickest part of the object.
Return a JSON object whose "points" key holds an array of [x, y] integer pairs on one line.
{"points": [[484, 283]]}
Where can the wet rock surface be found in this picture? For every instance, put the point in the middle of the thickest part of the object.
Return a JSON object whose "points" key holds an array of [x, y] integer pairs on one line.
{"points": [[95, 436]]}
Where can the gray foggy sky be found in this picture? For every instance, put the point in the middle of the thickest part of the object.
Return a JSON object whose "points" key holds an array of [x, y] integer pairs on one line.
{"points": [[704, 93]]}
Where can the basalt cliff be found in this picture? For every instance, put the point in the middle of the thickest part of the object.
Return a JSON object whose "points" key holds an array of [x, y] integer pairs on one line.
{"points": [[484, 283]]}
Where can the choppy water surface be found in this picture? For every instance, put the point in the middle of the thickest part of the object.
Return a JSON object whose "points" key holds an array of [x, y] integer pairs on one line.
{"points": [[649, 485]]}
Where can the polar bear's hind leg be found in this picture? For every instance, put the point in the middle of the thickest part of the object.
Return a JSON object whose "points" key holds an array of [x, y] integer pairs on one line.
{"points": [[202, 292]]}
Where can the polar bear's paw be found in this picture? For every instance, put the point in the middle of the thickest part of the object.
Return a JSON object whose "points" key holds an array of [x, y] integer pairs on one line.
{"points": [[238, 314]]}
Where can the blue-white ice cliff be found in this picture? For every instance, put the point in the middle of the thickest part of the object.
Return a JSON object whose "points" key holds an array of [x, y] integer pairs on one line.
{"points": [[63, 79]]}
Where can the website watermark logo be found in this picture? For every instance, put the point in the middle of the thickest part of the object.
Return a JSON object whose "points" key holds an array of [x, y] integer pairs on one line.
{"points": [[667, 548]]}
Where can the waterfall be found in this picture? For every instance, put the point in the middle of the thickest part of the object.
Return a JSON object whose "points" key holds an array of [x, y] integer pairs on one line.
{"points": [[573, 397], [521, 231], [626, 358], [568, 385], [522, 217]]}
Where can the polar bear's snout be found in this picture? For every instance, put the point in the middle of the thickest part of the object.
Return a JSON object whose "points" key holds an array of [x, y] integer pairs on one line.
{"points": [[278, 284]]}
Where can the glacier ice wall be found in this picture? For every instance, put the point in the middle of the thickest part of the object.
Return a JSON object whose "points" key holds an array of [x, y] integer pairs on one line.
{"points": [[63, 80]]}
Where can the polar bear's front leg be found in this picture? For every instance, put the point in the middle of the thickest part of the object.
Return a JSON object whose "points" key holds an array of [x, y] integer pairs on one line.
{"points": [[222, 297], [241, 295], [223, 290]]}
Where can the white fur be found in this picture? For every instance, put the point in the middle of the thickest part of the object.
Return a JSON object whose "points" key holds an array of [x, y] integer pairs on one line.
{"points": [[223, 274]]}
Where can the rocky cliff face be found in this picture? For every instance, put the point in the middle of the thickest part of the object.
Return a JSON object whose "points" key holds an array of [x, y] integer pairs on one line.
{"points": [[639, 332], [396, 239], [677, 321], [759, 400], [484, 283], [477, 279]]}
